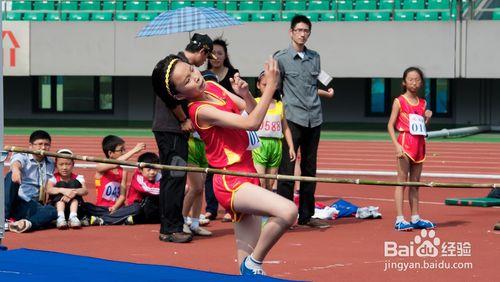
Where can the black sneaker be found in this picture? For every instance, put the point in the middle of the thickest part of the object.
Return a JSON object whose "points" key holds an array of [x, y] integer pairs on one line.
{"points": [[497, 226], [315, 223], [176, 237]]}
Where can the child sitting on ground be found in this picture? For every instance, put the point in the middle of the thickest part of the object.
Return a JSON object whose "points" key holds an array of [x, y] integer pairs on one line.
{"points": [[144, 190], [110, 183], [65, 191]]}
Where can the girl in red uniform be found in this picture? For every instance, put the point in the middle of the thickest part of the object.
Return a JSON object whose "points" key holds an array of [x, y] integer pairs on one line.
{"points": [[409, 117], [222, 120]]}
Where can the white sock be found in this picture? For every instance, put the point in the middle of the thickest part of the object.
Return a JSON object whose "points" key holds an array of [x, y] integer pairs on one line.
{"points": [[60, 214], [253, 263], [72, 214], [195, 223], [415, 218], [400, 218], [185, 219]]}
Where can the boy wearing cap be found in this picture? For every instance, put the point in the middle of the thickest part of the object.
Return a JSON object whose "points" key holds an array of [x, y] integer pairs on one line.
{"points": [[171, 127], [65, 191]]}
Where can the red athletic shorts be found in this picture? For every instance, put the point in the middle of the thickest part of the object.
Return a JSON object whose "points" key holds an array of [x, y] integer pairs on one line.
{"points": [[225, 186], [413, 146]]}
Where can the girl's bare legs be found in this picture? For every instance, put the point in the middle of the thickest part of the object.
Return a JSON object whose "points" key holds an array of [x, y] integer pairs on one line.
{"points": [[403, 170], [261, 170], [196, 185], [251, 199], [270, 182], [415, 172], [247, 233]]}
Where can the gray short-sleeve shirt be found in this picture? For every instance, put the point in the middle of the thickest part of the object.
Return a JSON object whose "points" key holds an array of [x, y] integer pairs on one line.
{"points": [[33, 175], [300, 86]]}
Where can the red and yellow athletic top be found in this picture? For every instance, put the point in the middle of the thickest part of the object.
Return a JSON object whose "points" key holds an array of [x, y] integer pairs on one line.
{"points": [[224, 147], [413, 145], [406, 108], [108, 187]]}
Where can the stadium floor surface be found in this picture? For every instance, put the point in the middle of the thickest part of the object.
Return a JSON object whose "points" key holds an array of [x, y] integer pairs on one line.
{"points": [[351, 249]]}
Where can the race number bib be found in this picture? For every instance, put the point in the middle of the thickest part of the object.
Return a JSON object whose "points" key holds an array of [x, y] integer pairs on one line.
{"points": [[253, 140], [112, 191], [271, 127], [417, 125]]}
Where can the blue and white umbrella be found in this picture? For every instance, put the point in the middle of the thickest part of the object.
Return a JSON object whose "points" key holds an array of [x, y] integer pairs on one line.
{"points": [[187, 19]]}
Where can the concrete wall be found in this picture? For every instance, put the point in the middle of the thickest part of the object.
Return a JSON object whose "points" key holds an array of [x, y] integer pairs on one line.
{"points": [[348, 49]]}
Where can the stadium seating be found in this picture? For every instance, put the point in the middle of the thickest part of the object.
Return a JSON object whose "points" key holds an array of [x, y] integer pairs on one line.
{"points": [[34, 16], [110, 5], [331, 16], [146, 16], [496, 15], [366, 5], [241, 16], [264, 16], [354, 16], [320, 5], [101, 16], [379, 16], [21, 5], [77, 16], [53, 16], [249, 5], [135, 5], [245, 10], [271, 5], [158, 5], [427, 16], [44, 5], [295, 5], [124, 16], [69, 5]]}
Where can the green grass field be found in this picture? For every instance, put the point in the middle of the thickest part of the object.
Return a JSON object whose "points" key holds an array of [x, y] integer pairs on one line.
{"points": [[326, 135]]}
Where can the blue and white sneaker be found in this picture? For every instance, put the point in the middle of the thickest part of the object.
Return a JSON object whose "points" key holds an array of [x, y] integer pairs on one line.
{"points": [[248, 271], [403, 226], [423, 224]]}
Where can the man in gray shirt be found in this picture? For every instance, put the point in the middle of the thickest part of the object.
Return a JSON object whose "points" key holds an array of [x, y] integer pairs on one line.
{"points": [[24, 187], [299, 68]]}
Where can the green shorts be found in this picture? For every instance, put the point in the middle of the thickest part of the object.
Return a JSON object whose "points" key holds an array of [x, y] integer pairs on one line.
{"points": [[268, 154], [196, 153]]}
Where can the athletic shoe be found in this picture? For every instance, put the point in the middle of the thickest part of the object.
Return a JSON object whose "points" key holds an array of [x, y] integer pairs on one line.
{"points": [[96, 221], [61, 223], [244, 270], [227, 218], [315, 223], [176, 237], [186, 229], [20, 226], [85, 221], [200, 231], [497, 226], [129, 220], [423, 224], [203, 220], [403, 226], [74, 223]]}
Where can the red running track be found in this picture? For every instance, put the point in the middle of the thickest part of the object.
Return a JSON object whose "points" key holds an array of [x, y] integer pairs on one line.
{"points": [[351, 250]]}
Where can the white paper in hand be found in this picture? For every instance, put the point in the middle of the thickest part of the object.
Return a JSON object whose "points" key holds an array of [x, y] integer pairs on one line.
{"points": [[324, 78]]}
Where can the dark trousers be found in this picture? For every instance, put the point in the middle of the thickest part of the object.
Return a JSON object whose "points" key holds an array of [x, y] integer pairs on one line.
{"points": [[307, 139], [39, 215], [173, 150], [118, 217], [149, 210], [212, 203]]}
